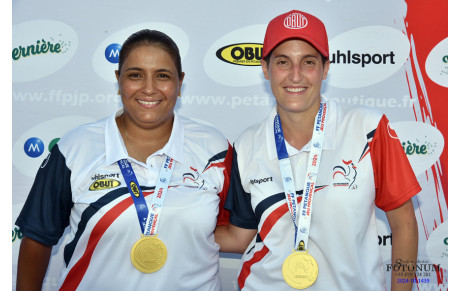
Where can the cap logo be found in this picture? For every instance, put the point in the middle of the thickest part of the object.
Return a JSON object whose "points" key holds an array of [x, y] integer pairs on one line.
{"points": [[295, 21]]}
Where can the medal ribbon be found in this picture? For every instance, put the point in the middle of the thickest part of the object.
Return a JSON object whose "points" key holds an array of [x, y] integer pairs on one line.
{"points": [[148, 215], [303, 227]]}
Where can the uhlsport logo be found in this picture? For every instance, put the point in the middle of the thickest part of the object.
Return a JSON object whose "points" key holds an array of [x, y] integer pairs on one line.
{"points": [[363, 59], [105, 58], [345, 175], [366, 56], [260, 181], [41, 48], [243, 54], [295, 21], [112, 53], [34, 147]]}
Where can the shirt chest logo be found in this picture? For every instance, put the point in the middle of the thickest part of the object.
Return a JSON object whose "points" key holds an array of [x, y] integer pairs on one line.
{"points": [[193, 179], [260, 181], [104, 184], [344, 175]]}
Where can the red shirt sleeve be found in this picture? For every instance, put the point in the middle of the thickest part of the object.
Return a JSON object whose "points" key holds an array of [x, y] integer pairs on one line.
{"points": [[224, 214], [395, 181]]}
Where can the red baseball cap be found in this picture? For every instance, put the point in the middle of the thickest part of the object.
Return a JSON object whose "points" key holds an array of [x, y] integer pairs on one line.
{"points": [[296, 24]]}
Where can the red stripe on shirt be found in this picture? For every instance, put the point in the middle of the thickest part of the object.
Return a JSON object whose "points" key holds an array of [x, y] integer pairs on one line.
{"points": [[246, 269], [258, 256], [75, 275], [272, 219]]}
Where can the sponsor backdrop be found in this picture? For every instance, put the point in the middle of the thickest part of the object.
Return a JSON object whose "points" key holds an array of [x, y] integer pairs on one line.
{"points": [[391, 55]]}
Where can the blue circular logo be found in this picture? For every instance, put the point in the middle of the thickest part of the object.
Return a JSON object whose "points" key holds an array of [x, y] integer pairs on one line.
{"points": [[112, 52], [34, 147]]}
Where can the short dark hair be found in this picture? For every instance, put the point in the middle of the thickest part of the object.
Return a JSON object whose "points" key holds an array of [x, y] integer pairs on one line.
{"points": [[150, 37]]}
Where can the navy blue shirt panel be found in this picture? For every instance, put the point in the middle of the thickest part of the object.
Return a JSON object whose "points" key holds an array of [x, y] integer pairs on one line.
{"points": [[46, 211], [238, 201]]}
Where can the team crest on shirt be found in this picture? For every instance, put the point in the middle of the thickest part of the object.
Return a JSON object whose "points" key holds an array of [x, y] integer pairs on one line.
{"points": [[193, 179], [344, 175]]}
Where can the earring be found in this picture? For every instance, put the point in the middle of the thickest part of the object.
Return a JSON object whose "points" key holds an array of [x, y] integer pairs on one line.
{"points": [[119, 92]]}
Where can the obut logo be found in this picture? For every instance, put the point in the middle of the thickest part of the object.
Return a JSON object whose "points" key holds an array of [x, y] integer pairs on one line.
{"points": [[365, 56], [135, 189], [41, 48], [104, 184], [295, 21], [240, 47], [105, 58], [245, 54]]}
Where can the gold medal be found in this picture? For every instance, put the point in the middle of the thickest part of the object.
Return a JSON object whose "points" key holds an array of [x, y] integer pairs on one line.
{"points": [[148, 254], [300, 270]]}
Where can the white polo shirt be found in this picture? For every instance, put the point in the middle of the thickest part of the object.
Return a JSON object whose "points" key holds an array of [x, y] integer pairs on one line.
{"points": [[80, 184], [343, 233]]}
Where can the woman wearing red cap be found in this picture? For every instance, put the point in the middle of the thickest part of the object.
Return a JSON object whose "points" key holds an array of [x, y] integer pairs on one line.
{"points": [[305, 182]]}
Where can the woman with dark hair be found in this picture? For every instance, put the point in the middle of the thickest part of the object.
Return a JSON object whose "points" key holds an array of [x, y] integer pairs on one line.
{"points": [[141, 190]]}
